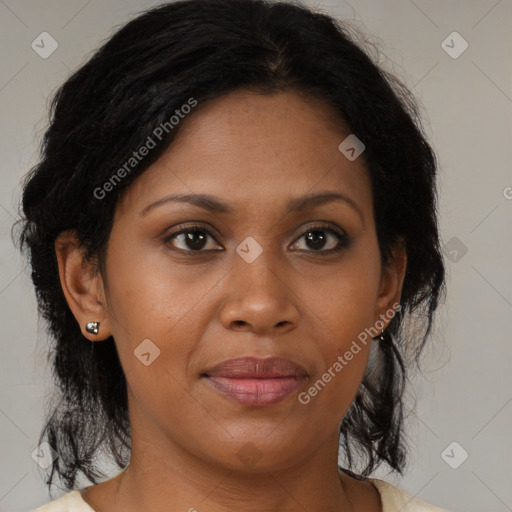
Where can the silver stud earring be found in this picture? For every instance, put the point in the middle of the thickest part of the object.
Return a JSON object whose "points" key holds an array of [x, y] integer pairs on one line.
{"points": [[381, 337], [92, 327]]}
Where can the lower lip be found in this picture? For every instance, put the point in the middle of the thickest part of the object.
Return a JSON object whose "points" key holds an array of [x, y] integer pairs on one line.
{"points": [[256, 392]]}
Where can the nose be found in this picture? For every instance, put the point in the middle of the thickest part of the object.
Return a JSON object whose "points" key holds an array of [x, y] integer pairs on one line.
{"points": [[260, 299]]}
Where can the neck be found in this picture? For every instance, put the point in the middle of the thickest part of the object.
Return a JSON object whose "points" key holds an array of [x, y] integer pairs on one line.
{"points": [[161, 480]]}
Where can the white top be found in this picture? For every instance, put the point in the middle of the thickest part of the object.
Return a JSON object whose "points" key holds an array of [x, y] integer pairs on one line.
{"points": [[393, 500]]}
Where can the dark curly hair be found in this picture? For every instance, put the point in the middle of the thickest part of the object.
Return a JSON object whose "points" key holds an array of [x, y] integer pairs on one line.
{"points": [[135, 82]]}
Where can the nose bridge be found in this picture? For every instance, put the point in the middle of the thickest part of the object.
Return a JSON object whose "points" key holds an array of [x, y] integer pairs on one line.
{"points": [[258, 295], [258, 267]]}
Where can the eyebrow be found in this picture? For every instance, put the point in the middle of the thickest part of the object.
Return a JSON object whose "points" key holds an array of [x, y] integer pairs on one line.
{"points": [[215, 205]]}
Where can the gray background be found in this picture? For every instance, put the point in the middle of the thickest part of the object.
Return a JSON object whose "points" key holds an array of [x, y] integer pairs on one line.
{"points": [[465, 392]]}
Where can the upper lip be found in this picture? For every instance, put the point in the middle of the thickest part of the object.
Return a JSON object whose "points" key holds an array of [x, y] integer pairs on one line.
{"points": [[256, 368]]}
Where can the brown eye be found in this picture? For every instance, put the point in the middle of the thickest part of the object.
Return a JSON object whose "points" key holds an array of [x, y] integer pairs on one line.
{"points": [[322, 239], [191, 240]]}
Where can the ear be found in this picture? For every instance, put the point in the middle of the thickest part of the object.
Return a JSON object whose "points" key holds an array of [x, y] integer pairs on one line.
{"points": [[82, 285], [390, 288]]}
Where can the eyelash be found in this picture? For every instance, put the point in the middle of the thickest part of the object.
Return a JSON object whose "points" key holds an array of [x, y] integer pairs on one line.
{"points": [[343, 240]]}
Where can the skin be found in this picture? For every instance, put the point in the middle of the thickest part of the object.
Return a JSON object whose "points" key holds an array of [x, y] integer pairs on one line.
{"points": [[255, 153]]}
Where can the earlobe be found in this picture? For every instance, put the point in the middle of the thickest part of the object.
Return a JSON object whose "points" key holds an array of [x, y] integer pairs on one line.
{"points": [[82, 286], [390, 291]]}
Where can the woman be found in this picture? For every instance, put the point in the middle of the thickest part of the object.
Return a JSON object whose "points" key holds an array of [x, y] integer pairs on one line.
{"points": [[231, 230]]}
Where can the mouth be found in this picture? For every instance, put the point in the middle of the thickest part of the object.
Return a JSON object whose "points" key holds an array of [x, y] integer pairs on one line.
{"points": [[256, 382]]}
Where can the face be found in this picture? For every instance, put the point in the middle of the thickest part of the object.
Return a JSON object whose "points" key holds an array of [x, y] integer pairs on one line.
{"points": [[256, 270]]}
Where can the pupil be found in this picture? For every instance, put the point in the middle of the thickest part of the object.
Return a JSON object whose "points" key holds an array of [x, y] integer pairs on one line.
{"points": [[195, 239], [317, 239]]}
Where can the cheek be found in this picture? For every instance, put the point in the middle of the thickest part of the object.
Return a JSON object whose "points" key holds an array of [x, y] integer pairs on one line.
{"points": [[159, 312], [333, 389], [149, 294], [345, 301], [345, 306], [149, 315]]}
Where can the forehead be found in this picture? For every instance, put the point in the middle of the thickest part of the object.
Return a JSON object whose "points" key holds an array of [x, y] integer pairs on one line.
{"points": [[247, 146]]}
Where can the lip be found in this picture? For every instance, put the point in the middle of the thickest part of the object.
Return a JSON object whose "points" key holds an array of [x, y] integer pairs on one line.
{"points": [[256, 382]]}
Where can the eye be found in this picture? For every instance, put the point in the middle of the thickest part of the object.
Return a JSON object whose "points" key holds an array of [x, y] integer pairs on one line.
{"points": [[323, 239], [191, 239]]}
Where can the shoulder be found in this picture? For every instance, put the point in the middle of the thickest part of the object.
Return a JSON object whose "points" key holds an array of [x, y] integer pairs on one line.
{"points": [[394, 500], [70, 502]]}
